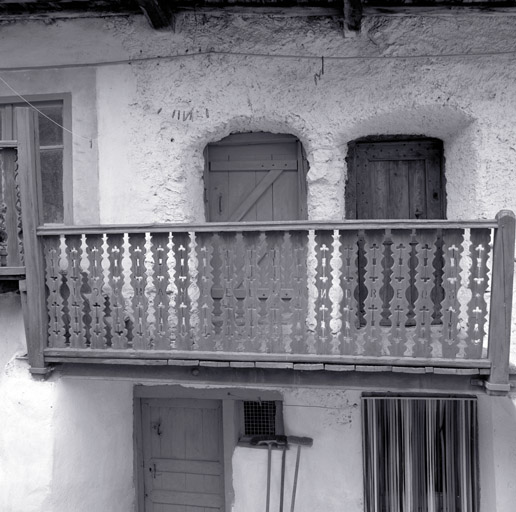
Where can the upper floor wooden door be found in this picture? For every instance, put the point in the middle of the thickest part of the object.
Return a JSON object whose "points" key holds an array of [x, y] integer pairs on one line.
{"points": [[255, 177], [401, 179]]}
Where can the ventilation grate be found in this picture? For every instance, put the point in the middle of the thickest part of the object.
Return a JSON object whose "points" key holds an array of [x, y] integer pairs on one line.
{"points": [[260, 418]]}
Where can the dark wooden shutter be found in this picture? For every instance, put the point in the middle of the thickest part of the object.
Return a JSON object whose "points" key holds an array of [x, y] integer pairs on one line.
{"points": [[400, 179], [255, 177]]}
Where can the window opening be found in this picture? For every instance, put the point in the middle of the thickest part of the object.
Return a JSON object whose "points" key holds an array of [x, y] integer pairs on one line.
{"points": [[260, 418], [51, 179]]}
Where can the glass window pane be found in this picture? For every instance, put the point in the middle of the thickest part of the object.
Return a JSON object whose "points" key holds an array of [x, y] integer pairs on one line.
{"points": [[52, 185], [50, 134]]}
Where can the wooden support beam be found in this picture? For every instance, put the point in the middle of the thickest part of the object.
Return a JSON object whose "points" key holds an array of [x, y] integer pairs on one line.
{"points": [[159, 13], [352, 15], [501, 303], [34, 299]]}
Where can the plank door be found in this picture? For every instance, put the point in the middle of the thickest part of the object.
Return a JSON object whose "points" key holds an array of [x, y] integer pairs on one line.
{"points": [[255, 177], [396, 180], [182, 455]]}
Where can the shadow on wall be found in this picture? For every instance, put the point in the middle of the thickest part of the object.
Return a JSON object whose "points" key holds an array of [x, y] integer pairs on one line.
{"points": [[461, 141]]}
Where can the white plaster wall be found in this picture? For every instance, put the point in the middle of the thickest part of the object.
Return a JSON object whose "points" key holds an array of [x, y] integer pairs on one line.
{"points": [[26, 430]]}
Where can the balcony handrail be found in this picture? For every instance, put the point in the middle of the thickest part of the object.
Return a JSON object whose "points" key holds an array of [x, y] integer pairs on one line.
{"points": [[99, 229]]}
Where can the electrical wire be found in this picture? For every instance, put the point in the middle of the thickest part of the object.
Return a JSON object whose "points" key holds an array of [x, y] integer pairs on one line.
{"points": [[151, 58], [13, 90]]}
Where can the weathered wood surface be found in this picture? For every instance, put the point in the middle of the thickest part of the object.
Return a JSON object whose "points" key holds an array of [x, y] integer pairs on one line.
{"points": [[284, 292]]}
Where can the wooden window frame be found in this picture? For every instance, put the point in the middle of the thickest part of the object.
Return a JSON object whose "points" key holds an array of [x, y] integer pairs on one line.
{"points": [[230, 398], [65, 99], [243, 439], [350, 190]]}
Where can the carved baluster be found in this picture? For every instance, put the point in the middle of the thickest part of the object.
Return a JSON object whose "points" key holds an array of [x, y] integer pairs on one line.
{"points": [[478, 281], [452, 249], [161, 280], [182, 280], [300, 283], [287, 269], [373, 280], [335, 295], [424, 283], [138, 283], [217, 291], [75, 299], [95, 298], [349, 283], [205, 279], [4, 210], [274, 298], [253, 283], [264, 292], [54, 280], [11, 246], [323, 306], [115, 243], [239, 292], [400, 283]]}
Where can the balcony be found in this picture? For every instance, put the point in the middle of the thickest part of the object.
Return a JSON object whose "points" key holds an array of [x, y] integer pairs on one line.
{"points": [[400, 296], [426, 296]]}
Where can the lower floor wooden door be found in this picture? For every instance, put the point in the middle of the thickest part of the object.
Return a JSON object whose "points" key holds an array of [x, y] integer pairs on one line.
{"points": [[182, 448]]}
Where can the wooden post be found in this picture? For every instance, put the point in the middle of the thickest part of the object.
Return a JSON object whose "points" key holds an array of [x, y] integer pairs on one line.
{"points": [[501, 303], [28, 169]]}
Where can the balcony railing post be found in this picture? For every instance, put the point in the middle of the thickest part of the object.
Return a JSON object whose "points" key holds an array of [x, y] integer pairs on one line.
{"points": [[35, 302], [501, 303]]}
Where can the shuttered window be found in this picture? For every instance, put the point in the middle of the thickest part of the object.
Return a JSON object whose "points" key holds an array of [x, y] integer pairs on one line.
{"points": [[420, 454], [54, 180]]}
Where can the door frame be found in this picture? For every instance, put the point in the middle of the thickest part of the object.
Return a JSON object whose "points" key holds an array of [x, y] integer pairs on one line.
{"points": [[230, 426]]}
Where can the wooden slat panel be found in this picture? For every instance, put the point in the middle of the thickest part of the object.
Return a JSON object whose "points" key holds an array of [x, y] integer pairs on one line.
{"points": [[373, 280], [349, 281], [139, 302], [424, 283], [323, 306], [161, 280], [75, 277], [194, 467], [211, 501], [398, 191], [400, 283], [240, 211], [478, 282], [254, 165], [117, 322], [11, 250], [56, 327], [207, 315], [452, 250], [181, 246], [96, 300]]}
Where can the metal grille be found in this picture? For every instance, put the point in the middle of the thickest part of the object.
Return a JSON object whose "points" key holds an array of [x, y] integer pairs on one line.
{"points": [[260, 418]]}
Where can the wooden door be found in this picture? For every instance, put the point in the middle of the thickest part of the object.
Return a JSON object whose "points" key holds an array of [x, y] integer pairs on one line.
{"points": [[400, 179], [182, 455], [255, 177], [396, 180]]}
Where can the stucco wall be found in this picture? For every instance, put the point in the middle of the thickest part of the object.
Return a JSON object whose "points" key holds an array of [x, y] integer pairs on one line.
{"points": [[140, 128]]}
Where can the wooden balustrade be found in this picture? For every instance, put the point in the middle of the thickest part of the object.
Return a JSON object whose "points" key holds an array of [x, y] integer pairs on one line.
{"points": [[372, 290]]}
